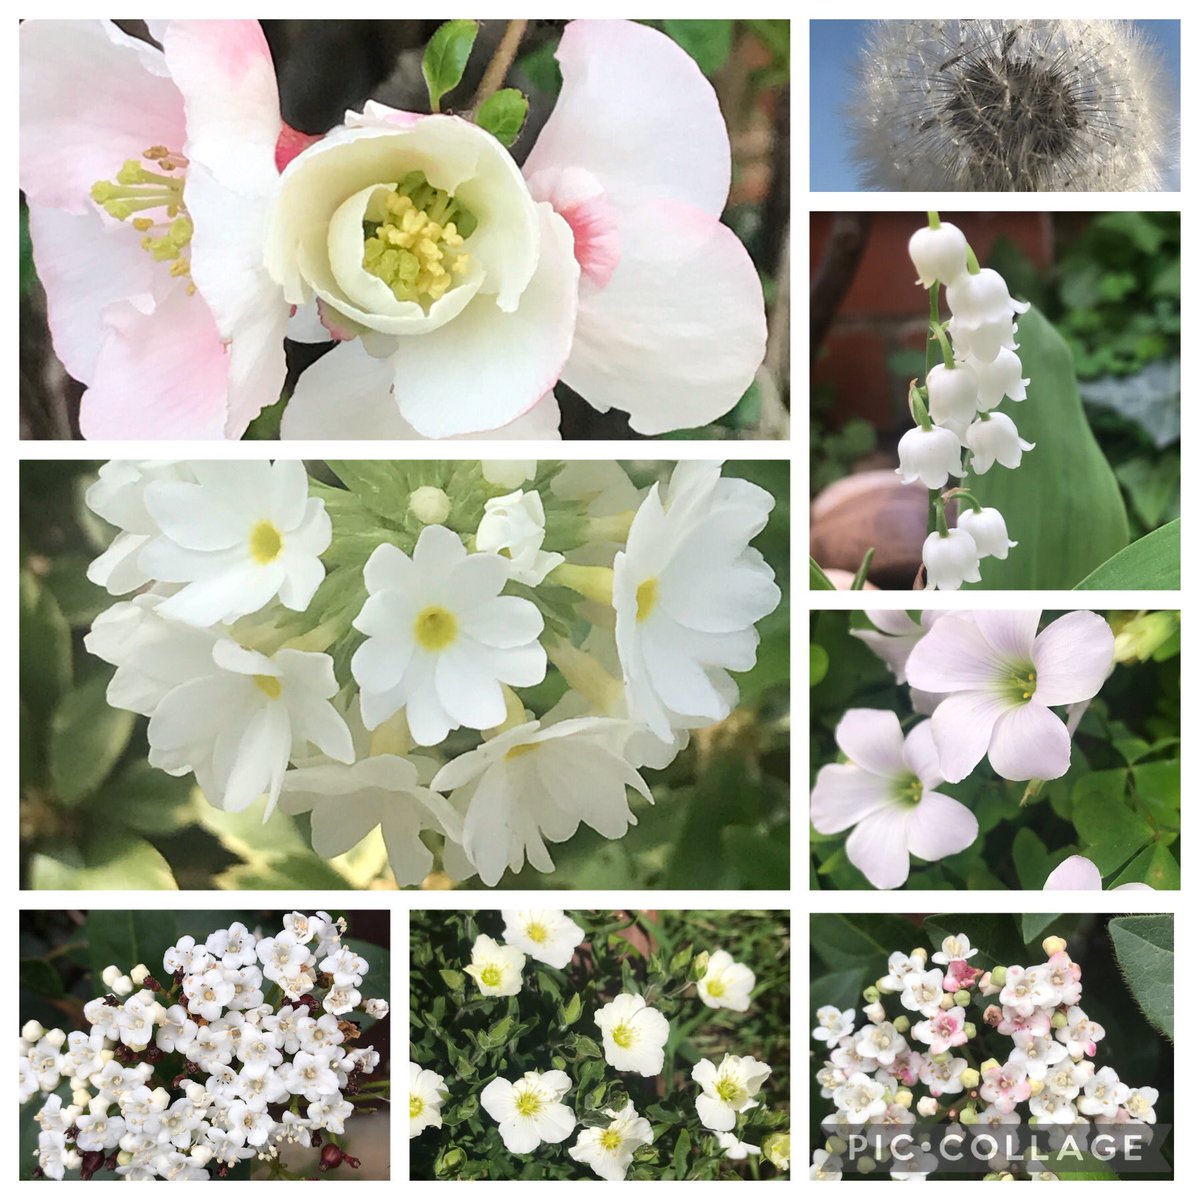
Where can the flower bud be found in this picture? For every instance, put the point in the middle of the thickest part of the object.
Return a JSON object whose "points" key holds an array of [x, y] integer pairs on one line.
{"points": [[430, 506], [122, 985], [962, 998], [871, 995], [951, 559], [777, 1149], [875, 1013], [944, 1057], [991, 1064], [124, 1158], [929, 455], [994, 439], [32, 1031], [139, 974], [836, 1145], [201, 1155], [969, 1029], [1059, 1020], [946, 1002], [999, 976], [81, 1098], [904, 1098], [970, 1078], [110, 975], [987, 530], [55, 1037], [968, 1116], [921, 953], [864, 1165], [902, 1024], [1053, 946], [1036, 1087], [992, 1015], [927, 1106], [940, 255], [700, 965]]}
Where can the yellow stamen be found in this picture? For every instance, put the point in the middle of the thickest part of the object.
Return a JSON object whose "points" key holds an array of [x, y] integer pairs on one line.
{"points": [[435, 628], [416, 1106], [529, 1104], [269, 685], [624, 1035], [490, 976], [266, 542], [536, 932], [647, 598], [610, 1139]]}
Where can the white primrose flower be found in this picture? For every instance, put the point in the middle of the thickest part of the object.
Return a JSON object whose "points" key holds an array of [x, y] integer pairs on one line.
{"points": [[634, 1035], [530, 1111], [726, 984], [953, 396], [687, 590], [495, 968], [951, 559], [441, 640], [729, 1089], [609, 1149], [940, 255], [987, 529], [833, 1025], [240, 535], [530, 783], [983, 314], [547, 935], [993, 438], [930, 455], [887, 791], [427, 1092], [515, 526]]}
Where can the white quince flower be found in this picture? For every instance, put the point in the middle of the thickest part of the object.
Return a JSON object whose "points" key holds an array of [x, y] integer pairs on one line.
{"points": [[240, 535], [987, 529], [729, 1089], [993, 438], [495, 968], [547, 935], [726, 984], [634, 1035], [930, 455], [530, 1111], [609, 1150], [515, 526], [441, 639], [427, 1092], [940, 255], [687, 590]]}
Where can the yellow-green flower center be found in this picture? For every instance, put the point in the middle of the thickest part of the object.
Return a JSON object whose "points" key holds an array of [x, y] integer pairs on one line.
{"points": [[716, 987], [435, 628], [266, 542], [529, 1103], [610, 1139], [269, 685], [1021, 684], [731, 1092], [490, 976], [536, 932], [647, 598], [416, 1106], [412, 239], [139, 191], [909, 790], [624, 1035]]}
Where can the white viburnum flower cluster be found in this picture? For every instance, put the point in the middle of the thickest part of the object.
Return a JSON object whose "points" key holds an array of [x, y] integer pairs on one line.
{"points": [[319, 646], [530, 1111], [957, 408], [913, 1054], [185, 1079]]}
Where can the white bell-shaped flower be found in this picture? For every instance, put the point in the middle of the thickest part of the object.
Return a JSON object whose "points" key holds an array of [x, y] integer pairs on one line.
{"points": [[987, 530], [930, 455], [953, 396], [951, 559], [940, 255], [983, 310], [999, 378], [994, 438]]}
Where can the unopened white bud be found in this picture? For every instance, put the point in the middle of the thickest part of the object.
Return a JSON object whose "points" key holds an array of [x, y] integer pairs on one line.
{"points": [[110, 975], [139, 974], [430, 505]]}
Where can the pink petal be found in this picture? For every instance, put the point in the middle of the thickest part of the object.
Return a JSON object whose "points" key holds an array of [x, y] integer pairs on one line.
{"points": [[161, 373], [1074, 874], [953, 656], [962, 729], [1030, 742], [580, 199], [610, 119], [676, 336], [91, 97], [878, 847], [921, 754], [940, 826], [1073, 657], [1011, 631], [844, 795], [871, 738]]}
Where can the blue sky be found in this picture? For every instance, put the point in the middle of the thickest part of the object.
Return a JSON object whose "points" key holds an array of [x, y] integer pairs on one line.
{"points": [[833, 47]]}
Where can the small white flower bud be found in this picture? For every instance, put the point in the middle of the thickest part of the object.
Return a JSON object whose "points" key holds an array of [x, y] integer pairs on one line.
{"points": [[56, 1037], [33, 1031], [110, 975], [430, 505], [940, 255], [139, 974], [122, 985], [1053, 946], [951, 559], [376, 1008], [927, 1106], [875, 1013]]}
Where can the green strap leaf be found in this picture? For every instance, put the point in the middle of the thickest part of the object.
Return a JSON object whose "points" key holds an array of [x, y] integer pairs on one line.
{"points": [[1150, 562], [503, 115], [446, 58], [817, 579]]}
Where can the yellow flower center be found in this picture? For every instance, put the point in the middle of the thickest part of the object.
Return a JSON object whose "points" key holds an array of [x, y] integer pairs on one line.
{"points": [[716, 987], [536, 932], [269, 685], [416, 1106], [647, 598], [490, 976], [435, 628], [624, 1035], [731, 1092], [138, 191], [529, 1103], [266, 542], [1021, 683], [411, 239], [610, 1139]]}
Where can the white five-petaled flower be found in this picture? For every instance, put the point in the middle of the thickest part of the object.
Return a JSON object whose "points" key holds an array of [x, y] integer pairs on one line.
{"points": [[954, 948], [726, 984], [240, 535], [547, 935], [515, 526], [1003, 678], [441, 640], [634, 1035], [495, 968], [609, 1149], [530, 1111], [728, 1089], [687, 590], [833, 1024], [427, 1092], [888, 792]]}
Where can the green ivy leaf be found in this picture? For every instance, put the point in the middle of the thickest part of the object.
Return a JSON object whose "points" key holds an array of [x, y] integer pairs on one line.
{"points": [[503, 115], [446, 58], [1145, 950]]}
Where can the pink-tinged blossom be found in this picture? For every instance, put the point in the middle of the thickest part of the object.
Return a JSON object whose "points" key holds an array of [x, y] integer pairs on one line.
{"points": [[1005, 1086], [1036, 1055], [887, 792], [1080, 874], [1080, 1034], [960, 976], [943, 1031], [1004, 679], [1026, 989], [1064, 977], [1010, 1022]]}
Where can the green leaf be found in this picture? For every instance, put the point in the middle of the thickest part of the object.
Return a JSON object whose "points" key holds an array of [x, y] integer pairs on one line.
{"points": [[1103, 820], [1031, 859], [1145, 950], [40, 978], [818, 664], [573, 1010], [1152, 562], [446, 58], [708, 42], [1156, 866], [114, 862], [45, 647], [454, 980], [845, 940], [818, 581], [124, 938], [1063, 486], [683, 1147], [1033, 925], [503, 115], [145, 799], [87, 736]]}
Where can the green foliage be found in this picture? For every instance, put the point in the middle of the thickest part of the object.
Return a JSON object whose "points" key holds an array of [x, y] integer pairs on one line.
{"points": [[471, 1039], [708, 42], [1145, 948], [503, 115], [446, 58], [1119, 804], [1152, 562]]}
